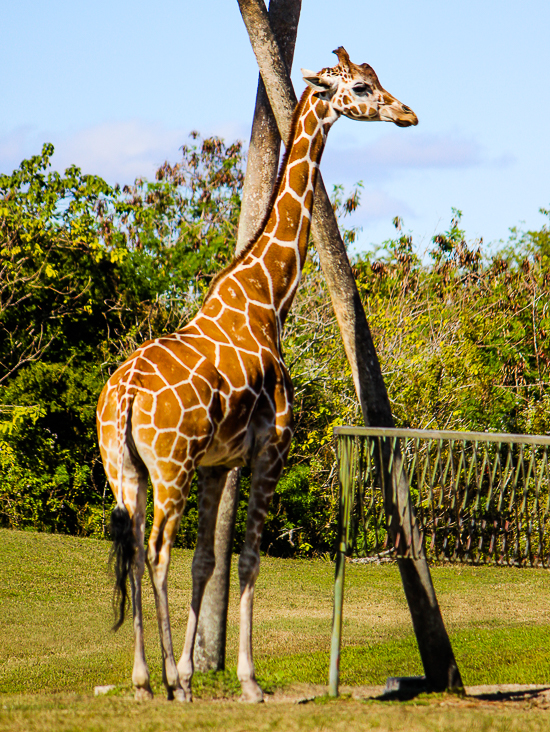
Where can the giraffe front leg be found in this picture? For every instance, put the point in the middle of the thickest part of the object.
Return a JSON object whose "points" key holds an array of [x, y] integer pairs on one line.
{"points": [[266, 471], [249, 567]]}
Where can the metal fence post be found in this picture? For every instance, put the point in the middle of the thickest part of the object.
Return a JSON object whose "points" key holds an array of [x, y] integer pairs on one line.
{"points": [[346, 473]]}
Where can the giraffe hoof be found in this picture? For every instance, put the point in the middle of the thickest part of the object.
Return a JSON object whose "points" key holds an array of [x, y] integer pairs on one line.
{"points": [[252, 693], [179, 695], [143, 694], [186, 689]]}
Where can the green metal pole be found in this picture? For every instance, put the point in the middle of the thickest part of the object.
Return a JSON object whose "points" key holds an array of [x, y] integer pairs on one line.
{"points": [[334, 673], [346, 470]]}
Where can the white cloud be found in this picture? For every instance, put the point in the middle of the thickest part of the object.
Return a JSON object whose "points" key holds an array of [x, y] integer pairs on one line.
{"points": [[381, 159], [117, 151], [377, 204], [120, 151]]}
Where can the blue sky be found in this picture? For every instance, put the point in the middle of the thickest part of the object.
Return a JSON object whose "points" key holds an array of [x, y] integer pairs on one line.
{"points": [[117, 86]]}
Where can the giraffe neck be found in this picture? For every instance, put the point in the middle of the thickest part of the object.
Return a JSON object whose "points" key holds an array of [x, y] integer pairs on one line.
{"points": [[270, 267], [282, 242]]}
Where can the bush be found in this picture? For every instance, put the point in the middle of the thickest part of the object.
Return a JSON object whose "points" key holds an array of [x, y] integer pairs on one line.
{"points": [[90, 271]]}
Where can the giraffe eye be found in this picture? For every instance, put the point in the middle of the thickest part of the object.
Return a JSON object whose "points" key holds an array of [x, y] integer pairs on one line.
{"points": [[362, 89]]}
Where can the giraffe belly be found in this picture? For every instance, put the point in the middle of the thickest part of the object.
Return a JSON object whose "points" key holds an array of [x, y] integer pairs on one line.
{"points": [[266, 421], [232, 443], [224, 457]]}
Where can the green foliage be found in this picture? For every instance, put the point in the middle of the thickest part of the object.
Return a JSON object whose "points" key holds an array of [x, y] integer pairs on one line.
{"points": [[56, 270], [463, 342], [90, 271]]}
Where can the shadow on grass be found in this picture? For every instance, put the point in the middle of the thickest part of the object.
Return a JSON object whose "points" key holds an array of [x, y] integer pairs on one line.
{"points": [[511, 696]]}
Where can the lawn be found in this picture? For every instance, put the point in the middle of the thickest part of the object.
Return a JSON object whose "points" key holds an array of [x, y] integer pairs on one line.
{"points": [[56, 643]]}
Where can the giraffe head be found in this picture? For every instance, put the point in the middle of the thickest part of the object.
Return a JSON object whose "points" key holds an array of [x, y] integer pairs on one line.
{"points": [[355, 92]]}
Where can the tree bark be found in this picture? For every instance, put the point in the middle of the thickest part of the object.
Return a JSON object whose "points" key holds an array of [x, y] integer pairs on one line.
{"points": [[265, 141], [259, 182], [435, 648], [209, 650]]}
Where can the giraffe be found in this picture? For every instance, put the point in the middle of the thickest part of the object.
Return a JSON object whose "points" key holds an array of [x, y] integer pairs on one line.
{"points": [[216, 394]]}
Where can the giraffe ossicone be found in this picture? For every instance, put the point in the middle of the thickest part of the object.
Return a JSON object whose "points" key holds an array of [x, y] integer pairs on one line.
{"points": [[216, 394]]}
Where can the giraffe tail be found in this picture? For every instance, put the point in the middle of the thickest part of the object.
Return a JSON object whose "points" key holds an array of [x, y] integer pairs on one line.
{"points": [[122, 555], [121, 525], [125, 399]]}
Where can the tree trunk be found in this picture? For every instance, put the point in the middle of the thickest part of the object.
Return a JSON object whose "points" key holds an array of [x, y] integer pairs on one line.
{"points": [[260, 179], [435, 648], [209, 651], [265, 141]]}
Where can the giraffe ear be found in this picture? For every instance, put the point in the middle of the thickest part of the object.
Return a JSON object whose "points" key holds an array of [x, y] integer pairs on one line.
{"points": [[314, 81]]}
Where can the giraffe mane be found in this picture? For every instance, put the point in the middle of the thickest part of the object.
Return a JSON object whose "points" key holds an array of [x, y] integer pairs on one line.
{"points": [[239, 257]]}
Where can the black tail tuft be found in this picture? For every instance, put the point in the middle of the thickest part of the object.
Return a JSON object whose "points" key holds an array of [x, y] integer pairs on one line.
{"points": [[122, 555]]}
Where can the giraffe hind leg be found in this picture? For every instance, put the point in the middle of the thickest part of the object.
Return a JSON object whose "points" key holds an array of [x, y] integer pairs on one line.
{"points": [[166, 522], [128, 558]]}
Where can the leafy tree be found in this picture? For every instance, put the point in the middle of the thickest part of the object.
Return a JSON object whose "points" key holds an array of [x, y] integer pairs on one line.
{"points": [[88, 271], [58, 270], [463, 341]]}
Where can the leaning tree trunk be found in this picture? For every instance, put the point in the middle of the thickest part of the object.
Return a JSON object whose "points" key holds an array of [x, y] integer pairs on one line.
{"points": [[259, 182], [435, 648]]}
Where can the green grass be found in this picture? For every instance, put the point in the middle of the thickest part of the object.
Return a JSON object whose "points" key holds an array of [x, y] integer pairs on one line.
{"points": [[55, 617], [56, 643], [72, 713], [485, 656]]}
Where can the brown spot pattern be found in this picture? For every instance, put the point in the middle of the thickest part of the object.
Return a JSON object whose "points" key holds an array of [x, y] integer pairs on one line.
{"points": [[217, 393]]}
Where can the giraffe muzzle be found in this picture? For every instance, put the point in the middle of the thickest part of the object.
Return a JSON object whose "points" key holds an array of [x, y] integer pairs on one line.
{"points": [[405, 117]]}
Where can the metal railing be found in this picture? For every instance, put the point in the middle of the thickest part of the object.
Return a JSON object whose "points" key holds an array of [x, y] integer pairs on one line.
{"points": [[478, 498]]}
